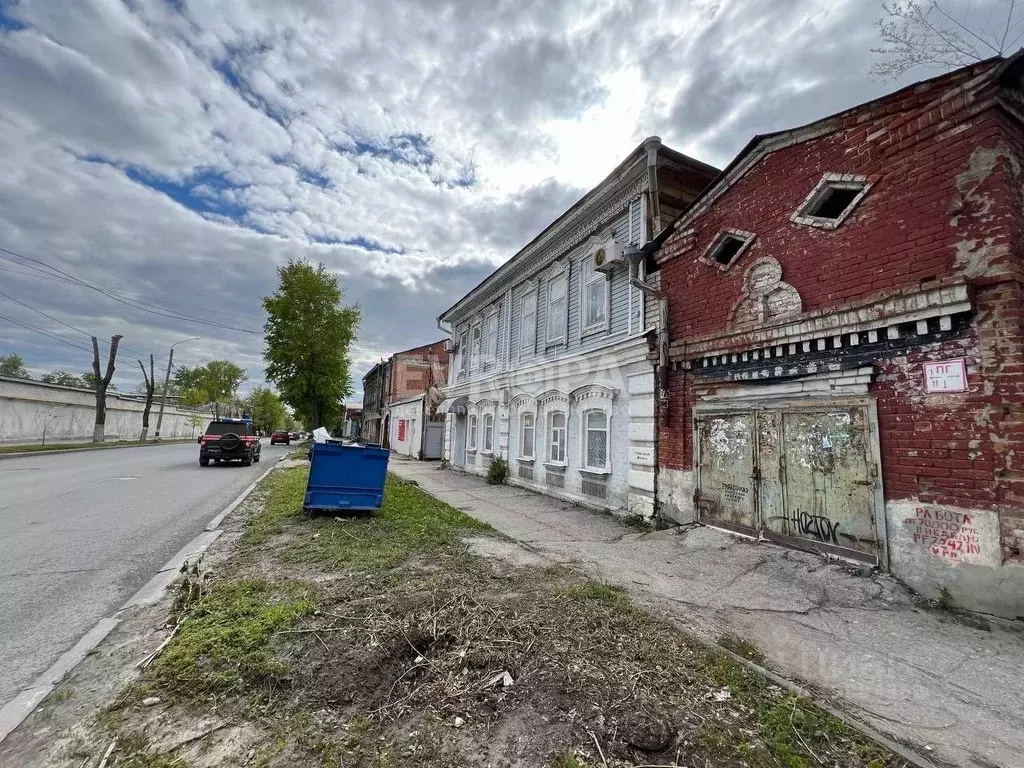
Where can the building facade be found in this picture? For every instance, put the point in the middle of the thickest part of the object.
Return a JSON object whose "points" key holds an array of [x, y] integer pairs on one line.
{"points": [[419, 377], [551, 369], [846, 364], [376, 400]]}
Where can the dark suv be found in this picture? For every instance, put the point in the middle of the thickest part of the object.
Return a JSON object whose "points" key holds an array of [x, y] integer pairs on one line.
{"points": [[229, 440]]}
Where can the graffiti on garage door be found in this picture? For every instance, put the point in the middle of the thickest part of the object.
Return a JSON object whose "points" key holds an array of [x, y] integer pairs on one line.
{"points": [[801, 476]]}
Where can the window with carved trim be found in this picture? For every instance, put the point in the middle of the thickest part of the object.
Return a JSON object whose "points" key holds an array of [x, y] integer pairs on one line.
{"points": [[556, 437], [526, 436]]}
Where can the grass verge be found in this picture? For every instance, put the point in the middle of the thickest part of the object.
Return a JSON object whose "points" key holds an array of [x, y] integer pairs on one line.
{"points": [[381, 641]]}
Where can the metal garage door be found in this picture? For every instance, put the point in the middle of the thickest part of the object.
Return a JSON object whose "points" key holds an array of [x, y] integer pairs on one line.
{"points": [[801, 476]]}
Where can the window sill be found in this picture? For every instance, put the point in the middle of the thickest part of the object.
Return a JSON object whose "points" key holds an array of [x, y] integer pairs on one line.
{"points": [[525, 459], [556, 465], [551, 343], [595, 331], [485, 452], [471, 450], [589, 471]]}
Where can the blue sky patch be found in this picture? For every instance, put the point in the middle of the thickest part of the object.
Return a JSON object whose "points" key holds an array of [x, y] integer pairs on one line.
{"points": [[7, 22], [206, 191]]}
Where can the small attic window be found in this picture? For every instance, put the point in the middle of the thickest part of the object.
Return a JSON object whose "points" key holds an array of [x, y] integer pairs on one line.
{"points": [[832, 200], [727, 247]]}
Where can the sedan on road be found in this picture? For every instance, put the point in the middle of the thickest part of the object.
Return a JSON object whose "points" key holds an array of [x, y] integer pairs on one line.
{"points": [[280, 437]]}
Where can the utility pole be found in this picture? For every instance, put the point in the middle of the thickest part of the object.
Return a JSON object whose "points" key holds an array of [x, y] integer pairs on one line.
{"points": [[167, 383]]}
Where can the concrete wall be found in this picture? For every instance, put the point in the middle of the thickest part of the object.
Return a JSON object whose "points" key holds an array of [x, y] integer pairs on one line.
{"points": [[69, 414]]}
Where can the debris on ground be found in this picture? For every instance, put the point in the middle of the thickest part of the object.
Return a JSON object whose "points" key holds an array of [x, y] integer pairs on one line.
{"points": [[388, 642]]}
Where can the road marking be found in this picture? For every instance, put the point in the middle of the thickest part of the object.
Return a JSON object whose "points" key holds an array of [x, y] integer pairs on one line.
{"points": [[15, 711]]}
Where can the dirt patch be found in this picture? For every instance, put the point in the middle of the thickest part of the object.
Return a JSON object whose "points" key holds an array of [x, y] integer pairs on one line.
{"points": [[413, 638]]}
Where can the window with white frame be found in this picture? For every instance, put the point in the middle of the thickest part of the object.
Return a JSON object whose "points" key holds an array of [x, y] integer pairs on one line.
{"points": [[488, 433], [595, 440], [594, 306], [491, 339], [528, 322], [556, 437], [526, 435], [477, 333], [833, 199], [464, 354], [471, 433], [557, 294], [727, 247]]}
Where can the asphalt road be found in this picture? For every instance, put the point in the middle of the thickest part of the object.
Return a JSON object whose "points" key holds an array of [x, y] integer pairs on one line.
{"points": [[80, 533]]}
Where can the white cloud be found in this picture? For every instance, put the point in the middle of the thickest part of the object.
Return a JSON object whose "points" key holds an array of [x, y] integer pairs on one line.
{"points": [[181, 151]]}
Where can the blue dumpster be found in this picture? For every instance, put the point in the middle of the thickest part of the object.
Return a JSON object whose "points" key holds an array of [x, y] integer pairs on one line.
{"points": [[346, 477]]}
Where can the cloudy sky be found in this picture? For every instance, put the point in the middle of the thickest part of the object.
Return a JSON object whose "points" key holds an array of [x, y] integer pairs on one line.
{"points": [[173, 153]]}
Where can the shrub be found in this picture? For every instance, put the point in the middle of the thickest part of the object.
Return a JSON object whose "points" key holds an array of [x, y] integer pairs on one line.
{"points": [[497, 470]]}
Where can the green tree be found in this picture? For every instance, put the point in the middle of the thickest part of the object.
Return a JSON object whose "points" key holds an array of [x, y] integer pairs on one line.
{"points": [[308, 333], [213, 384], [63, 378], [13, 366], [266, 409]]}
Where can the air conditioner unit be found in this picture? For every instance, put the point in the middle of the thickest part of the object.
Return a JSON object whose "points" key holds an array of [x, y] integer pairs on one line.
{"points": [[450, 346], [607, 256]]}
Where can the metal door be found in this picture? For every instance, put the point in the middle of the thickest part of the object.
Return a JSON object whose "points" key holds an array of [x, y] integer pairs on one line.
{"points": [[726, 471], [829, 481], [432, 440], [800, 476]]}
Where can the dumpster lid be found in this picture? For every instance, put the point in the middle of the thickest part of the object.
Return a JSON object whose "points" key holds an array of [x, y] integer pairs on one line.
{"points": [[452, 405]]}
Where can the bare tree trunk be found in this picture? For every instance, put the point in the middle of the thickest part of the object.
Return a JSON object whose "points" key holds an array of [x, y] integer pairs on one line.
{"points": [[102, 382], [150, 389]]}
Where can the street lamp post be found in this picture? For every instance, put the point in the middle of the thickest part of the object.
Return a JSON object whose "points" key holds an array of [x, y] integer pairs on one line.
{"points": [[167, 382]]}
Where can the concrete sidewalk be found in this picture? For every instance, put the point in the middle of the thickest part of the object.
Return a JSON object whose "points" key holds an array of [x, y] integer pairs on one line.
{"points": [[950, 687]]}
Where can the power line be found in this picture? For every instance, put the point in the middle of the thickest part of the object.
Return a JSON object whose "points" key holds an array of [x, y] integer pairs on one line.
{"points": [[53, 336], [114, 297], [66, 325], [39, 274]]}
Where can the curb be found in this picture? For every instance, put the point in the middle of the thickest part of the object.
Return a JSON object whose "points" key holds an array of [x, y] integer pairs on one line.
{"points": [[21, 706], [147, 444]]}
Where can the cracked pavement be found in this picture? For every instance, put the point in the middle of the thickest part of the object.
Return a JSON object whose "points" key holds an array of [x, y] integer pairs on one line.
{"points": [[948, 686]]}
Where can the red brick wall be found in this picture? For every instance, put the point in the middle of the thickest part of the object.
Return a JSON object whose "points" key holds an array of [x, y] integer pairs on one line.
{"points": [[416, 369], [946, 202]]}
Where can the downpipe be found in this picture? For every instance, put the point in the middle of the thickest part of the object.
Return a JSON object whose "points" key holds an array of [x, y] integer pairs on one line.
{"points": [[662, 300]]}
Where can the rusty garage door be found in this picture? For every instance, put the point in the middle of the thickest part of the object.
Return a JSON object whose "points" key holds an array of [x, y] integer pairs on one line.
{"points": [[802, 476]]}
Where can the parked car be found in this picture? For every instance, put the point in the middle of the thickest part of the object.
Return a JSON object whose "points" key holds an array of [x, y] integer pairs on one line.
{"points": [[280, 437], [294, 435], [229, 440]]}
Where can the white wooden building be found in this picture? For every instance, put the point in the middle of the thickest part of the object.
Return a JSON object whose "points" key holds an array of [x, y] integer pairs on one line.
{"points": [[550, 367]]}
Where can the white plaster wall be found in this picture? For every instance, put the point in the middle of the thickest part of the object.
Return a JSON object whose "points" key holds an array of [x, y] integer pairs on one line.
{"points": [[70, 413], [936, 549], [412, 412], [620, 497], [675, 495]]}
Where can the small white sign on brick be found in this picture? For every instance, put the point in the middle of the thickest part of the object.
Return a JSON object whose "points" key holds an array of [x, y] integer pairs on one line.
{"points": [[945, 376]]}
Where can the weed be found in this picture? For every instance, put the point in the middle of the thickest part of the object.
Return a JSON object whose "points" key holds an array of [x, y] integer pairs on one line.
{"points": [[945, 601], [62, 694], [567, 760], [610, 594], [497, 471], [223, 644], [741, 647], [285, 491], [409, 521], [132, 751], [637, 523]]}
